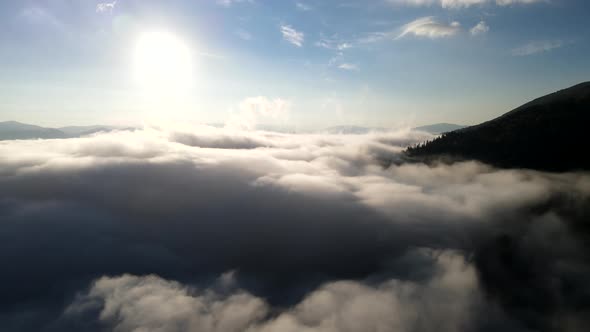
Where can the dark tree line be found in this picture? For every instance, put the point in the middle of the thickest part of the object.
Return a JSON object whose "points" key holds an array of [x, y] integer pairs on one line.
{"points": [[550, 134]]}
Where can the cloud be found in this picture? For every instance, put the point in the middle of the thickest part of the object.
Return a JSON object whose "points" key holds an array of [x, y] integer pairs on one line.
{"points": [[430, 28], [454, 4], [229, 3], [518, 2], [303, 6], [333, 44], [321, 232], [458, 4], [292, 36], [451, 4], [131, 303], [422, 27], [349, 67], [243, 34], [252, 110], [536, 47], [479, 29], [43, 16], [106, 7]]}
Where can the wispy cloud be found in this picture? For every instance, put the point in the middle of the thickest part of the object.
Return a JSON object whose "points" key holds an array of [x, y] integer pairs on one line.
{"points": [[479, 29], [105, 7], [442, 3], [302, 6], [253, 109], [430, 28], [229, 3], [42, 16], [457, 4], [423, 27], [349, 67], [292, 36], [333, 44], [243, 34], [536, 47], [517, 2]]}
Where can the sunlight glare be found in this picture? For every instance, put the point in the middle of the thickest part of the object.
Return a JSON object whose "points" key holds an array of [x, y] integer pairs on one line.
{"points": [[162, 62]]}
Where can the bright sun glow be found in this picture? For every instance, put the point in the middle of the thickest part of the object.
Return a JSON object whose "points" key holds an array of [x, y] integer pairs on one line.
{"points": [[162, 62]]}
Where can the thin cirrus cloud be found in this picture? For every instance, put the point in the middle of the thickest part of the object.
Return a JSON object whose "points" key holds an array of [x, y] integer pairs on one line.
{"points": [[292, 36], [302, 6], [517, 2], [426, 27], [243, 34], [456, 4], [442, 3], [229, 3], [349, 67], [536, 47], [430, 28]]}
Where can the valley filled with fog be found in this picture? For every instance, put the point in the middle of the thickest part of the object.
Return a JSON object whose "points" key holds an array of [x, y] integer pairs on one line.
{"points": [[201, 228]]}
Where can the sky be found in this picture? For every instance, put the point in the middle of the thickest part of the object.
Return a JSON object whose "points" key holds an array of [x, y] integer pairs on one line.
{"points": [[303, 64]]}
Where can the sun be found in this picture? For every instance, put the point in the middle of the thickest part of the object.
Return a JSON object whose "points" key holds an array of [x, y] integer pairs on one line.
{"points": [[162, 62]]}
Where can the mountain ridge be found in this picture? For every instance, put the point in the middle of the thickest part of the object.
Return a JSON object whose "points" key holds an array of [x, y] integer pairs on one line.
{"points": [[543, 134], [12, 130]]}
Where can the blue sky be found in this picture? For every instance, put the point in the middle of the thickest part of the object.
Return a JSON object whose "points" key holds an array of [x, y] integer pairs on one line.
{"points": [[374, 63]]}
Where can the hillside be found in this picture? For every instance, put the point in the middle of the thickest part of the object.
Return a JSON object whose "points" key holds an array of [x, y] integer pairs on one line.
{"points": [[548, 133]]}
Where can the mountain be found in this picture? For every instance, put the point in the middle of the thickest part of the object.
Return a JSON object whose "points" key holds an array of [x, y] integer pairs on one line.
{"points": [[10, 130], [351, 130], [439, 128], [548, 133], [77, 131]]}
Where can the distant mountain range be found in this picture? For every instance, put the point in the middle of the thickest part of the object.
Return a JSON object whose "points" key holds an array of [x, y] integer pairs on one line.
{"points": [[16, 130], [351, 130], [435, 129], [11, 130], [548, 133]]}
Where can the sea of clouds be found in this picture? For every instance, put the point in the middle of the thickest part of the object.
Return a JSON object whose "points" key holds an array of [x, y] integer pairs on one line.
{"points": [[199, 228]]}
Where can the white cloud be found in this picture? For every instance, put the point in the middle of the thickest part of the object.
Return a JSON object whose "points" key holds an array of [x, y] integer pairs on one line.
{"points": [[349, 67], [229, 3], [479, 29], [292, 36], [252, 110], [536, 47], [333, 44], [153, 304], [106, 7], [517, 2], [457, 4], [454, 4], [302, 6], [416, 3], [430, 28], [150, 303]]}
